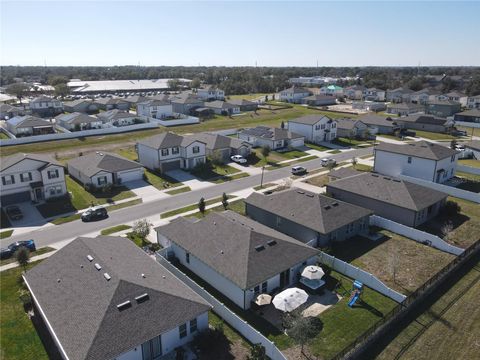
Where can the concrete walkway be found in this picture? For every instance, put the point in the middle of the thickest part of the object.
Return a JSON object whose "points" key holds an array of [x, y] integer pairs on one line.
{"points": [[144, 190], [32, 259]]}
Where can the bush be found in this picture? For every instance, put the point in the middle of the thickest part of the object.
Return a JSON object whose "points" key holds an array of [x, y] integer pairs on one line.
{"points": [[207, 340], [451, 208]]}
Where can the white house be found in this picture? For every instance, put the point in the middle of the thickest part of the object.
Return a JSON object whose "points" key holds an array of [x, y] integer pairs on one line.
{"points": [[473, 102], [105, 298], [315, 128], [294, 94], [331, 90], [354, 92], [169, 151], [117, 117], [29, 125], [78, 121], [239, 257], [274, 138], [211, 93], [30, 177], [422, 159], [157, 109], [46, 106], [223, 107], [373, 94]]}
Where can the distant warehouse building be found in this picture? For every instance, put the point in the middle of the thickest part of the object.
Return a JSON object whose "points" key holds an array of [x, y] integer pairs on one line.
{"points": [[112, 86]]}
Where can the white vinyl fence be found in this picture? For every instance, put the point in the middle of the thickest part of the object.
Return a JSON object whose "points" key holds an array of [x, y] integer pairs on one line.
{"points": [[226, 314], [358, 274], [183, 120], [417, 235], [450, 190], [468, 169]]}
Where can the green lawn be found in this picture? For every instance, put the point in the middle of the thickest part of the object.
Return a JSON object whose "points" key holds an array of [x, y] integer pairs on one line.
{"points": [[320, 180], [19, 340], [161, 181], [191, 207], [434, 136], [115, 229], [470, 162], [217, 173], [334, 151], [348, 142], [470, 131], [40, 251], [363, 167], [256, 158], [291, 163], [237, 206], [3, 136], [128, 153], [317, 147], [249, 96], [6, 234], [179, 190]]}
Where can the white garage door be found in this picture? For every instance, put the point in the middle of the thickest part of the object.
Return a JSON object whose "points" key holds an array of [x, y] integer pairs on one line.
{"points": [[131, 175], [297, 142]]}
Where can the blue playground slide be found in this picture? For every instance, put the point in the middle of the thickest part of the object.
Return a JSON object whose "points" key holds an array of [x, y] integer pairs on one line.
{"points": [[354, 299]]}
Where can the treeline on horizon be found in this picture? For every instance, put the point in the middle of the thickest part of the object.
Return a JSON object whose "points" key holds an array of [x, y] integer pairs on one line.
{"points": [[243, 80]]}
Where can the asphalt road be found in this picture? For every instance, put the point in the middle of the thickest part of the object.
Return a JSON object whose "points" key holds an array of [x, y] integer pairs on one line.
{"points": [[53, 234]]}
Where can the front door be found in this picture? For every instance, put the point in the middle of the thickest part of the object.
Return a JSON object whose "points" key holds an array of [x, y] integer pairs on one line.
{"points": [[38, 194], [284, 278]]}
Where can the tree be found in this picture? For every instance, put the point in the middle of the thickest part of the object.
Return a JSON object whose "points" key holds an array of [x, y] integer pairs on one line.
{"points": [[265, 151], [62, 90], [195, 84], [173, 84], [22, 255], [141, 228], [282, 125], [56, 80], [17, 89], [201, 205], [354, 162], [257, 352], [225, 201], [301, 329]]}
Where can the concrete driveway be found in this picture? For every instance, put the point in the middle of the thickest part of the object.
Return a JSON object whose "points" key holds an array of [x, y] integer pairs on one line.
{"points": [[31, 216], [188, 179], [249, 169], [144, 190]]}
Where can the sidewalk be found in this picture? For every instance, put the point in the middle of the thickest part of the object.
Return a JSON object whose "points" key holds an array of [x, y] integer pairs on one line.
{"points": [[32, 259]]}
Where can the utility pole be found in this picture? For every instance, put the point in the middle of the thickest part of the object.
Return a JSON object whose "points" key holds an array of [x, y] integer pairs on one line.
{"points": [[261, 180]]}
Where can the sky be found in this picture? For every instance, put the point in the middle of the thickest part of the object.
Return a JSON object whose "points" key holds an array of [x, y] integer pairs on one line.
{"points": [[234, 33]]}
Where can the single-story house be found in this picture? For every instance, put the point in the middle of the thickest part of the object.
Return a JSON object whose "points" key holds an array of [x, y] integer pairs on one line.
{"points": [[472, 115], [186, 104], [369, 106], [425, 122], [351, 128], [319, 100], [274, 138], [45, 106], [99, 169], [239, 257], [403, 109], [397, 200], [30, 177], [294, 94], [105, 298], [316, 220], [222, 107], [8, 111], [244, 105], [315, 128], [224, 146], [117, 117], [86, 106], [379, 124], [29, 125], [474, 146], [78, 121], [443, 108], [169, 151], [112, 103]]}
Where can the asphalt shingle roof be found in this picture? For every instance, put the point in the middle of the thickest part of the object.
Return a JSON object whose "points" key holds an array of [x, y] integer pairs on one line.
{"points": [[76, 118], [81, 305], [28, 121], [95, 162], [423, 119], [167, 140], [377, 120], [217, 141], [309, 119], [421, 149], [16, 158], [273, 134]]}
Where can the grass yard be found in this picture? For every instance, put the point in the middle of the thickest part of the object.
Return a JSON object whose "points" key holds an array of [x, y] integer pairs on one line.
{"points": [[40, 251], [334, 151], [320, 180], [470, 131], [291, 163], [363, 167], [267, 185], [191, 207], [317, 147], [466, 224], [115, 229], [248, 96], [237, 206], [256, 158], [434, 136], [218, 173], [178, 190], [348, 142], [412, 262], [128, 153], [6, 234], [232, 335], [449, 329], [19, 340], [161, 181], [470, 162], [3, 136]]}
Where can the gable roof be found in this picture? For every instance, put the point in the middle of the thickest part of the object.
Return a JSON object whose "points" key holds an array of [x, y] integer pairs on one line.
{"points": [[310, 119], [389, 190], [343, 172], [376, 120], [217, 141], [82, 306], [273, 134], [167, 140], [424, 119], [95, 162], [190, 99], [296, 90], [421, 149], [444, 103], [155, 102], [28, 121], [11, 160], [115, 114], [76, 118], [7, 108], [218, 104], [348, 124], [43, 98], [228, 243], [74, 103], [317, 212], [471, 112]]}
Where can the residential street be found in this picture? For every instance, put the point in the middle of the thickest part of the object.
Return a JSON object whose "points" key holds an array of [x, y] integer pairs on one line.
{"points": [[53, 234]]}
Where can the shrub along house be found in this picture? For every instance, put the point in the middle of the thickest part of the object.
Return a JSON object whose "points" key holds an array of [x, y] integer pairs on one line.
{"points": [[236, 255], [316, 220], [105, 298]]}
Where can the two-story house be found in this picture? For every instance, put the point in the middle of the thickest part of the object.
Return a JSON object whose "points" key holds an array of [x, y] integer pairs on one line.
{"points": [[472, 116], [294, 94], [354, 92], [46, 106], [458, 97], [8, 111], [352, 128], [157, 109], [315, 128], [117, 117], [373, 94], [210, 93], [30, 177], [443, 108], [331, 90], [399, 95], [169, 151], [422, 159], [473, 102]]}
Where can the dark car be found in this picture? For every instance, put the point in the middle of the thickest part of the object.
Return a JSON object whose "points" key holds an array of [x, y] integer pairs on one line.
{"points": [[405, 132], [95, 213], [10, 250], [14, 212]]}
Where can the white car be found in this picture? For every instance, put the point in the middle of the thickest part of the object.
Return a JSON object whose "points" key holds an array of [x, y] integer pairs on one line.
{"points": [[238, 159], [298, 170], [326, 162]]}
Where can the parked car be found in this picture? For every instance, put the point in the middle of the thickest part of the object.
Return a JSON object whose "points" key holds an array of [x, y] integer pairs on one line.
{"points": [[14, 212], [326, 162], [459, 133], [298, 170], [405, 132], [8, 252], [460, 147], [94, 213], [238, 159]]}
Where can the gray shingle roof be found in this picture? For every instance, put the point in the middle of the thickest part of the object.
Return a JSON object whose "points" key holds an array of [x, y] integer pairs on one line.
{"points": [[471, 112], [347, 123], [115, 114], [377, 120], [227, 243], [343, 172], [95, 162], [167, 140], [474, 144], [317, 212], [309, 119], [217, 141], [81, 305], [76, 118], [273, 134], [218, 104], [444, 103], [28, 121], [16, 158], [421, 149], [423, 119], [389, 190]]}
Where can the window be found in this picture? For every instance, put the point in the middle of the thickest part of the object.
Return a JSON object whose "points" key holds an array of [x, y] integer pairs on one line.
{"points": [[182, 331], [323, 126], [193, 325], [452, 159], [175, 150], [334, 125], [52, 174], [279, 221], [264, 287], [317, 127], [164, 152], [26, 177], [152, 349], [256, 290], [8, 180], [102, 180], [196, 149], [409, 160], [187, 258]]}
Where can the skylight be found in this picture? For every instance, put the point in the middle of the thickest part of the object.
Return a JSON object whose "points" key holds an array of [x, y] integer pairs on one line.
{"points": [[97, 266], [89, 257], [125, 305]]}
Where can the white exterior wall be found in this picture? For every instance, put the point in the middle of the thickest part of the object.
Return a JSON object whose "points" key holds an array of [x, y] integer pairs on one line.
{"points": [[302, 129], [49, 183], [312, 134], [206, 94], [94, 178], [155, 111], [46, 104], [148, 156], [292, 97]]}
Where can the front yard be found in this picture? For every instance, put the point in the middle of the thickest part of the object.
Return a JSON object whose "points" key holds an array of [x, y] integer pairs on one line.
{"points": [[256, 158], [161, 181], [434, 136], [470, 162], [217, 173]]}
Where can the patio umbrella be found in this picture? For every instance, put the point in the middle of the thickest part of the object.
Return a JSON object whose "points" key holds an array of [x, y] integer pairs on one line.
{"points": [[313, 272], [263, 299], [290, 299]]}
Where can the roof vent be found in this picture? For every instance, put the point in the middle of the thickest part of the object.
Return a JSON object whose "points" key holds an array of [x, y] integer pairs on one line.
{"points": [[374, 175], [81, 266], [125, 305], [58, 280], [335, 204], [106, 276], [97, 266], [327, 207], [221, 252], [259, 248], [141, 298], [396, 180], [387, 178], [89, 257], [143, 275], [300, 192], [309, 195], [272, 242]]}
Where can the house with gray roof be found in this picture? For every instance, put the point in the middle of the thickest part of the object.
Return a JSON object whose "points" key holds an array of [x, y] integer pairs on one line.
{"points": [[406, 108], [472, 116], [8, 111], [118, 117], [399, 95], [186, 104], [239, 257], [222, 107], [86, 106], [99, 169], [222, 147], [351, 128], [314, 219], [374, 94], [208, 93], [443, 108], [294, 94], [397, 200], [426, 123], [157, 109], [77, 121], [378, 124], [169, 151], [244, 105], [45, 106], [105, 298], [474, 147], [112, 103], [421, 159], [319, 100], [343, 172], [274, 138], [29, 125], [315, 128]]}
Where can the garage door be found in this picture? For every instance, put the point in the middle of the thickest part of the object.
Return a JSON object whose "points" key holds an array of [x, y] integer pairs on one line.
{"points": [[131, 175], [172, 165], [15, 198], [297, 142]]}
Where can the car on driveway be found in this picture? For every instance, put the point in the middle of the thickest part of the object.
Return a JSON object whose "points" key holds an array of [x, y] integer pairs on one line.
{"points": [[8, 252], [94, 213], [14, 212], [298, 170], [326, 162], [238, 159]]}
